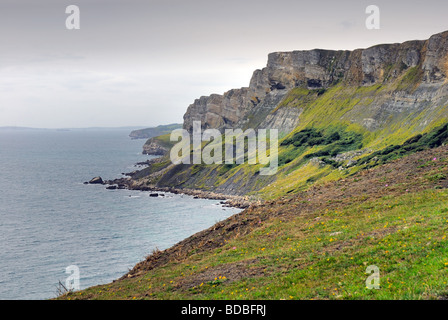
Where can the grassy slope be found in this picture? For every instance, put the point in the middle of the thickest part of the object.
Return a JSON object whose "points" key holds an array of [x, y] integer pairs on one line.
{"points": [[156, 131], [316, 244]]}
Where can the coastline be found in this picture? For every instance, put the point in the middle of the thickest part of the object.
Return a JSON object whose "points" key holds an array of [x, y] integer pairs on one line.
{"points": [[240, 202], [130, 183]]}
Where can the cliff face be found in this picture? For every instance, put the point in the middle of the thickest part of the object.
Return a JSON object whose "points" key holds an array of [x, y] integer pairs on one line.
{"points": [[332, 108], [218, 111], [256, 105]]}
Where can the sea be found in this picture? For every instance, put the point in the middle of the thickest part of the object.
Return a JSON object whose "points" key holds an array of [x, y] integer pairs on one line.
{"points": [[51, 221]]}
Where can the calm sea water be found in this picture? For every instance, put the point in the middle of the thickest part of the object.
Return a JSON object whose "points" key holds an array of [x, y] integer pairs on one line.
{"points": [[50, 220]]}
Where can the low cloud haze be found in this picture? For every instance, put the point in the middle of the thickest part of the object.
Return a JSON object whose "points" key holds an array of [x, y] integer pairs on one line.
{"points": [[141, 63]]}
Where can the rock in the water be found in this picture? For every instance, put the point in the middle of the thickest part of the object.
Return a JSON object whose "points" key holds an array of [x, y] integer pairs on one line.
{"points": [[154, 195], [112, 188], [96, 180]]}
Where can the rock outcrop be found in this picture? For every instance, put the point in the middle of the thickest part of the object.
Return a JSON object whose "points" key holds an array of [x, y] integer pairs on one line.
{"points": [[218, 111], [153, 148], [96, 180]]}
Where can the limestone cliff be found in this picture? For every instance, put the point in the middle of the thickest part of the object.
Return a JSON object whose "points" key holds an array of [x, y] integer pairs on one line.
{"points": [[332, 109]]}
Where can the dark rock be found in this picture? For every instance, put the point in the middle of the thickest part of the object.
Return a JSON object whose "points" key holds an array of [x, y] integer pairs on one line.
{"points": [[112, 188], [96, 180], [144, 163], [154, 195]]}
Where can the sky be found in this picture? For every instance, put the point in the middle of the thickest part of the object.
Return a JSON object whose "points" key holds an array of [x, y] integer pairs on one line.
{"points": [[143, 62]]}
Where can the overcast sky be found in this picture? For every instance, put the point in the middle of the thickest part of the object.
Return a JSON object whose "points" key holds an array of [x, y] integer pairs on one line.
{"points": [[141, 63]]}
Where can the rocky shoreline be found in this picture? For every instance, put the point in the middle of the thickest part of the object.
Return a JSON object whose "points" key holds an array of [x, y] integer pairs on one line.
{"points": [[241, 202]]}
